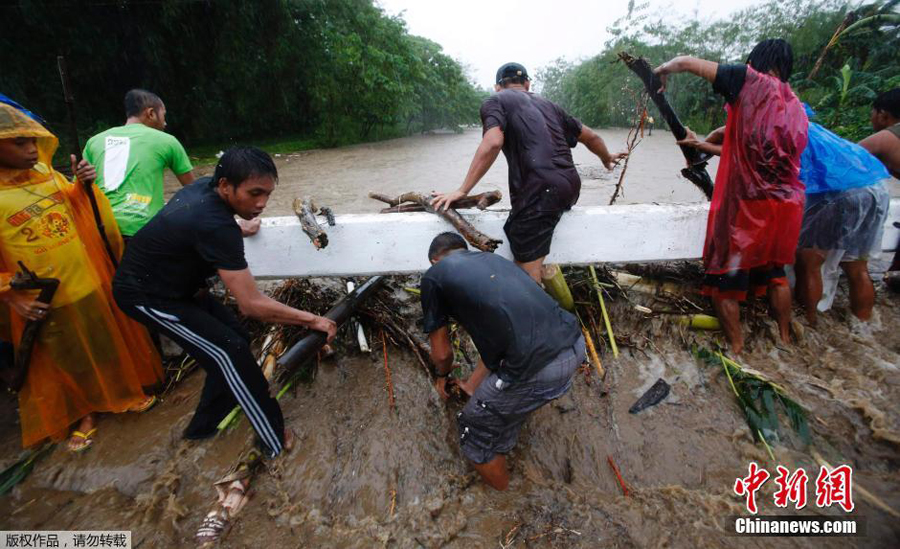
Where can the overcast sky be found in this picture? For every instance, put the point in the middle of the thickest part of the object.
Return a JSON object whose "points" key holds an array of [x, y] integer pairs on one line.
{"points": [[484, 34]]}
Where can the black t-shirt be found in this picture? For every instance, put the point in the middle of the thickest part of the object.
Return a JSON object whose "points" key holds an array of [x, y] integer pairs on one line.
{"points": [[517, 328], [537, 140], [193, 236], [730, 81]]}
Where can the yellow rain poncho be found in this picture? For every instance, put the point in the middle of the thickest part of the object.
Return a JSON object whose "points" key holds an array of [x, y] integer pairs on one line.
{"points": [[89, 357]]}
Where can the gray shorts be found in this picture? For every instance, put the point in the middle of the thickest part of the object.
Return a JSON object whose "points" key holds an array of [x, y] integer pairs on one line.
{"points": [[850, 221], [489, 423]]}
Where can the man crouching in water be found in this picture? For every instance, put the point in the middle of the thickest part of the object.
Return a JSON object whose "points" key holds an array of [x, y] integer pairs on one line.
{"points": [[530, 347]]}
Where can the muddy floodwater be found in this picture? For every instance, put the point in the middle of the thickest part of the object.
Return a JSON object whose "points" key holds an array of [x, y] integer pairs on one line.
{"points": [[364, 474], [342, 178]]}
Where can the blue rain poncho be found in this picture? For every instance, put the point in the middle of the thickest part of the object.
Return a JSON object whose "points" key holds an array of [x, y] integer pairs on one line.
{"points": [[831, 163]]}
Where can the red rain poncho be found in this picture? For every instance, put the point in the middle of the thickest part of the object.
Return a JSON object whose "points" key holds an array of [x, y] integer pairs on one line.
{"points": [[757, 205]]}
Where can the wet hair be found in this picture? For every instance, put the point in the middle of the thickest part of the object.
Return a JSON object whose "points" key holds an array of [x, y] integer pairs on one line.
{"points": [[137, 100], [773, 54], [888, 102], [239, 164], [444, 243], [511, 80]]}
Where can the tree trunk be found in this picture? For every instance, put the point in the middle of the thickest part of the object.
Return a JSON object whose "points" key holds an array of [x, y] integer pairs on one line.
{"points": [[696, 171]]}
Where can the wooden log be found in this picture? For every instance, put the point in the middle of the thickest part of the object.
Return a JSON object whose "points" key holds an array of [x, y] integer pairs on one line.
{"points": [[305, 210], [555, 285], [696, 171], [481, 201], [470, 233]]}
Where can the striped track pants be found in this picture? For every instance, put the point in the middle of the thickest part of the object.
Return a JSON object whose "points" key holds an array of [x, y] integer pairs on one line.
{"points": [[212, 335]]}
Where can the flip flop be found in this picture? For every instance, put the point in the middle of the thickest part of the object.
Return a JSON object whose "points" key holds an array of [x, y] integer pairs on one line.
{"points": [[88, 439], [144, 405], [213, 527]]}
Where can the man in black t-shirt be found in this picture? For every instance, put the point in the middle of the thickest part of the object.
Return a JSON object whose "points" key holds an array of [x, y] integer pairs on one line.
{"points": [[530, 348], [536, 137], [164, 270]]}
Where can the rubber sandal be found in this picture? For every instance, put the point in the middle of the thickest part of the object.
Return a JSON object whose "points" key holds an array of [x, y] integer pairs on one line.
{"points": [[88, 439], [213, 527], [150, 402]]}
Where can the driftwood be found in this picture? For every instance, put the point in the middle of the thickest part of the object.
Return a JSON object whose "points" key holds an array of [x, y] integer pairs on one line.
{"points": [[305, 210], [481, 201], [469, 232], [696, 171]]}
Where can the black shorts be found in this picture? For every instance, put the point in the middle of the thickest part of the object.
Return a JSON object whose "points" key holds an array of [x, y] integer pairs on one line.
{"points": [[530, 233], [741, 283]]}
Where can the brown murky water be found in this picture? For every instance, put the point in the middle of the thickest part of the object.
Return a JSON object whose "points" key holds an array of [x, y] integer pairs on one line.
{"points": [[342, 178], [679, 458]]}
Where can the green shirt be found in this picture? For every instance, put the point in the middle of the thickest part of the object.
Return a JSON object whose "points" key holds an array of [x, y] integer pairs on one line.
{"points": [[130, 161]]}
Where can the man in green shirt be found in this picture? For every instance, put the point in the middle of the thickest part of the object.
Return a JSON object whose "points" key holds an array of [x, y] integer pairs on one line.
{"points": [[131, 159]]}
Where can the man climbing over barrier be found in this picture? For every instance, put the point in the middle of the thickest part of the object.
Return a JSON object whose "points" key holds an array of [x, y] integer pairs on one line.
{"points": [[536, 137], [757, 205], [530, 348], [165, 267]]}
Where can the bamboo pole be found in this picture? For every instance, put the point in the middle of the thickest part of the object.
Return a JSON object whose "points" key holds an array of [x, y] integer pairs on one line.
{"points": [[609, 330], [555, 284]]}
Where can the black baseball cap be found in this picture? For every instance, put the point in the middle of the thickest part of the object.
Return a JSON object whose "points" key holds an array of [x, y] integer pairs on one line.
{"points": [[511, 70]]}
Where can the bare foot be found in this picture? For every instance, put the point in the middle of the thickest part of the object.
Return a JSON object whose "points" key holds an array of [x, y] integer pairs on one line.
{"points": [[288, 439]]}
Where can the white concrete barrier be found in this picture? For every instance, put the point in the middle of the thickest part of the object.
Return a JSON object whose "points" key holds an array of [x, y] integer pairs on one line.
{"points": [[367, 244]]}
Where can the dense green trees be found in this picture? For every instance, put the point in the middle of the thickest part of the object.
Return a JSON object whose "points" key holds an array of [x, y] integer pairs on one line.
{"points": [[862, 61], [339, 71]]}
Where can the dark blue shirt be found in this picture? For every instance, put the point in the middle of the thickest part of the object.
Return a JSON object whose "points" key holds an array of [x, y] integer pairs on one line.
{"points": [[517, 328], [537, 140]]}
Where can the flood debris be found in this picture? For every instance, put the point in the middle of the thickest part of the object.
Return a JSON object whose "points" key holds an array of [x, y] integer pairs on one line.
{"points": [[757, 397], [233, 494], [389, 386], [615, 470], [472, 235], [305, 209], [654, 395]]}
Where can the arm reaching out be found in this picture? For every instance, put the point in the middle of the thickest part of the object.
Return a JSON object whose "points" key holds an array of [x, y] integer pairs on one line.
{"points": [[442, 358], [712, 144], [596, 145], [256, 304], [487, 152], [700, 67]]}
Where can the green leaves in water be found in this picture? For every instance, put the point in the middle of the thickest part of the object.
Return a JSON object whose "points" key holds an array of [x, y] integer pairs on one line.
{"points": [[758, 398], [16, 473]]}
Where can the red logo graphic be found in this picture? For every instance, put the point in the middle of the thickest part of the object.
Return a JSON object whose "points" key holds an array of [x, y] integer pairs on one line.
{"points": [[835, 487], [791, 488], [749, 485], [54, 224]]}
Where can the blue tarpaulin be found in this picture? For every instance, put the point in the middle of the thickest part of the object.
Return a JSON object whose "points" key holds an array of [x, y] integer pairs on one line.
{"points": [[831, 163]]}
